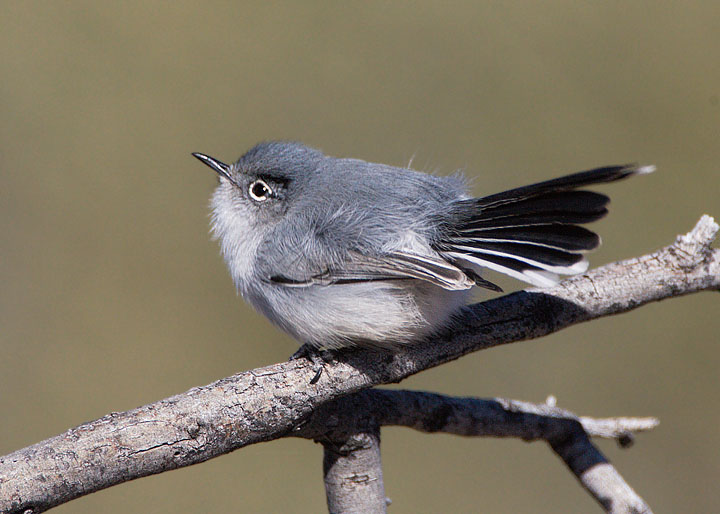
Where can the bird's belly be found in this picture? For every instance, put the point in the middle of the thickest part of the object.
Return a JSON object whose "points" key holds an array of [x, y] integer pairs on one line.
{"points": [[382, 314]]}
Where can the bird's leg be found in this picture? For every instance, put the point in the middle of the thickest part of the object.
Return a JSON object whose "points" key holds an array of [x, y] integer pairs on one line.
{"points": [[318, 358]]}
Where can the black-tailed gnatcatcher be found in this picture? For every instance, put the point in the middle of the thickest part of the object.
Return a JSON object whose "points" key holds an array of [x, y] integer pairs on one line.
{"points": [[342, 252]]}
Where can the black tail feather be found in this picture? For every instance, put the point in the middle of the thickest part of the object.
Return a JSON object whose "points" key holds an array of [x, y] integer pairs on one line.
{"points": [[566, 183], [532, 232], [564, 237]]}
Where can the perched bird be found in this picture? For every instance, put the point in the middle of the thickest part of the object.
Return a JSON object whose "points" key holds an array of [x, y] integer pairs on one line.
{"points": [[341, 252]]}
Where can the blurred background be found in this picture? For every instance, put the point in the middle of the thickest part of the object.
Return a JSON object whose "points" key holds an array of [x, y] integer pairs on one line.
{"points": [[113, 295]]}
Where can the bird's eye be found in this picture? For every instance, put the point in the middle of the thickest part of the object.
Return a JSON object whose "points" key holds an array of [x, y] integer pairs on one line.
{"points": [[260, 191]]}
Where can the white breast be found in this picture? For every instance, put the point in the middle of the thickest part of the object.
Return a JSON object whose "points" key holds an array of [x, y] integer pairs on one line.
{"points": [[239, 239]]}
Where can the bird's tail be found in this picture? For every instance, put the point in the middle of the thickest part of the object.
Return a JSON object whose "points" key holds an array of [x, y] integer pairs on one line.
{"points": [[532, 233]]}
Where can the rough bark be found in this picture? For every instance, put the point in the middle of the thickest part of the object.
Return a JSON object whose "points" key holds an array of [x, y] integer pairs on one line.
{"points": [[272, 402], [353, 473]]}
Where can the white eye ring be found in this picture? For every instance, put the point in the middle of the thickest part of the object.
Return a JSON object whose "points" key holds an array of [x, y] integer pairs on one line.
{"points": [[260, 191]]}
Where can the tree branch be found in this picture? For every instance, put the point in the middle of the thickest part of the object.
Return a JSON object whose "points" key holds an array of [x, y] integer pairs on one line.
{"points": [[352, 471], [269, 403], [566, 433], [472, 417]]}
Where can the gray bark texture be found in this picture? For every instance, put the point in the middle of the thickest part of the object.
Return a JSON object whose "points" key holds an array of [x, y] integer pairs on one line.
{"points": [[353, 472], [284, 399]]}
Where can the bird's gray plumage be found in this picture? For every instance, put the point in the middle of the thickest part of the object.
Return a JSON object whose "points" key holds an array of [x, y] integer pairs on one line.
{"points": [[342, 251]]}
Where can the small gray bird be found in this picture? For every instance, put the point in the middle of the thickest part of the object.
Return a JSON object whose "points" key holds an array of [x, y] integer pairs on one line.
{"points": [[341, 252]]}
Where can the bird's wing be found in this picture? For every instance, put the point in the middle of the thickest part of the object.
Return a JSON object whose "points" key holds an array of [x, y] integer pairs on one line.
{"points": [[531, 233], [388, 266]]}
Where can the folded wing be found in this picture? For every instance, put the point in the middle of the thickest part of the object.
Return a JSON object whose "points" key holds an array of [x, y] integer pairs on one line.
{"points": [[389, 266]]}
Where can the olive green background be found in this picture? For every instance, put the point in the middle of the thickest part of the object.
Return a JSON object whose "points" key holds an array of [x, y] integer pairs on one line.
{"points": [[113, 294]]}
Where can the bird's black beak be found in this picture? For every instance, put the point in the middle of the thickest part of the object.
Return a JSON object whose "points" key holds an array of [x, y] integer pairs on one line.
{"points": [[219, 167]]}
